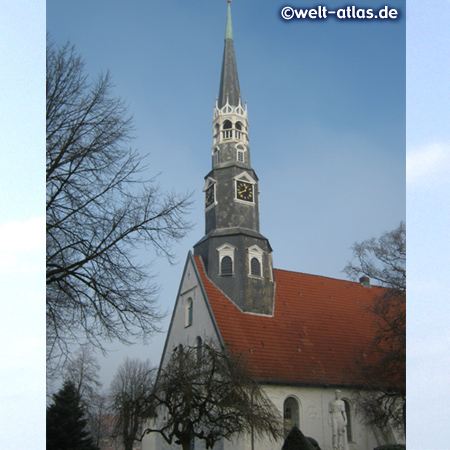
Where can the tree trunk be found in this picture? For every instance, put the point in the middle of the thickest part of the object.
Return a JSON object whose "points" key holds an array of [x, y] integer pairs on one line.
{"points": [[128, 444], [186, 445]]}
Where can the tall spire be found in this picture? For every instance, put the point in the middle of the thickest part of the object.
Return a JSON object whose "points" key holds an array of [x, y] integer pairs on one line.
{"points": [[237, 257], [229, 82]]}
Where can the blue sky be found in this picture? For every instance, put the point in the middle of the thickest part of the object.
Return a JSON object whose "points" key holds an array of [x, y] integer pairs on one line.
{"points": [[428, 183], [326, 107], [326, 103]]}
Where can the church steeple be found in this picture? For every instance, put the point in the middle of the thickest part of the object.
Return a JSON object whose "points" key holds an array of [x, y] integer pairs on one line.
{"points": [[237, 257], [229, 82]]}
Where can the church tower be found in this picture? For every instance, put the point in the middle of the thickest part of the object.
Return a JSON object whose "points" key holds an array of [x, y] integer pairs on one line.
{"points": [[237, 257]]}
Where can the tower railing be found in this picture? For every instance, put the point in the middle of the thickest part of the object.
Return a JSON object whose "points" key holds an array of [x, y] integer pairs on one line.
{"points": [[230, 134], [233, 133]]}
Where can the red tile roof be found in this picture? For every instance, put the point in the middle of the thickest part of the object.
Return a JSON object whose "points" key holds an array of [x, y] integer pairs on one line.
{"points": [[319, 325]]}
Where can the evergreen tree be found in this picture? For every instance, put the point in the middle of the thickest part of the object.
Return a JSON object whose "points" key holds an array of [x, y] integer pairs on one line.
{"points": [[295, 440], [66, 426]]}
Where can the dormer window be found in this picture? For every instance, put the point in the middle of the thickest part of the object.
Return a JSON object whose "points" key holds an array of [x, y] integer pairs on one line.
{"points": [[226, 259], [240, 153], [255, 267], [226, 266], [216, 156], [255, 261]]}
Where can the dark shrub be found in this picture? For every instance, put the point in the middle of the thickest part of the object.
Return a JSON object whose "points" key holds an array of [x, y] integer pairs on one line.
{"points": [[295, 440], [314, 443]]}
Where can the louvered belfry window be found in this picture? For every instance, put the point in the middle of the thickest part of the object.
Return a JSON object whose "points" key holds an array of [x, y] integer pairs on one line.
{"points": [[255, 267], [226, 265]]}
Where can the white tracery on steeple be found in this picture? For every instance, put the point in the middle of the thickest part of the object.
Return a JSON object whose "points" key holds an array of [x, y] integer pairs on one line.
{"points": [[236, 116]]}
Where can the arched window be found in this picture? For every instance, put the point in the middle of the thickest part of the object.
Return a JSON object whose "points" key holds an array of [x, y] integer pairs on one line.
{"points": [[291, 414], [216, 156], [238, 130], [179, 354], [227, 130], [226, 266], [199, 348], [240, 153], [349, 421], [255, 261], [189, 312], [226, 259], [255, 267]]}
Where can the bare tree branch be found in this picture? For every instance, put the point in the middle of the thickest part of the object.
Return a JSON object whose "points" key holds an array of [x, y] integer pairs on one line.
{"points": [[99, 211], [384, 259], [207, 394], [130, 399]]}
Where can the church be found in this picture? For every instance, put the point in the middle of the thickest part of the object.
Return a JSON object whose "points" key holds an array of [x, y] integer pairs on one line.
{"points": [[299, 332]]}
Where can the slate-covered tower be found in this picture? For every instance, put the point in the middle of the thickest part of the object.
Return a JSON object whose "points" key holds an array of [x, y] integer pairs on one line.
{"points": [[237, 257]]}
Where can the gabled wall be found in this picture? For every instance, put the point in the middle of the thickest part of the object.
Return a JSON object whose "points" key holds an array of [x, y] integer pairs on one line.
{"points": [[181, 333], [202, 321]]}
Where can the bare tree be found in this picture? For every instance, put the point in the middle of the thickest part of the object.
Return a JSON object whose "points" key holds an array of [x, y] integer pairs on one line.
{"points": [[83, 372], [130, 399], [99, 210], [206, 393], [98, 420], [384, 260]]}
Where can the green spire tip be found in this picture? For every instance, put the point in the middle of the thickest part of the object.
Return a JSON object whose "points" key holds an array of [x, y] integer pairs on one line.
{"points": [[229, 29]]}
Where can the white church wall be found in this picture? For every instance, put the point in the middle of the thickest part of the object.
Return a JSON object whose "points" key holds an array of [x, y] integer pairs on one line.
{"points": [[314, 417], [313, 421]]}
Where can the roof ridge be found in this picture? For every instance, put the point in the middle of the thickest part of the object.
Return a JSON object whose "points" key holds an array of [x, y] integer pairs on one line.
{"points": [[325, 276]]}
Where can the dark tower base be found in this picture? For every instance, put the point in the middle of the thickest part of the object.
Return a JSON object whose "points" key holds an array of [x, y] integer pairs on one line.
{"points": [[250, 293]]}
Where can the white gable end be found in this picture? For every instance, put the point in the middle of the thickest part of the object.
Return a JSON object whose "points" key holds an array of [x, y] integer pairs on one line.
{"points": [[192, 316]]}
